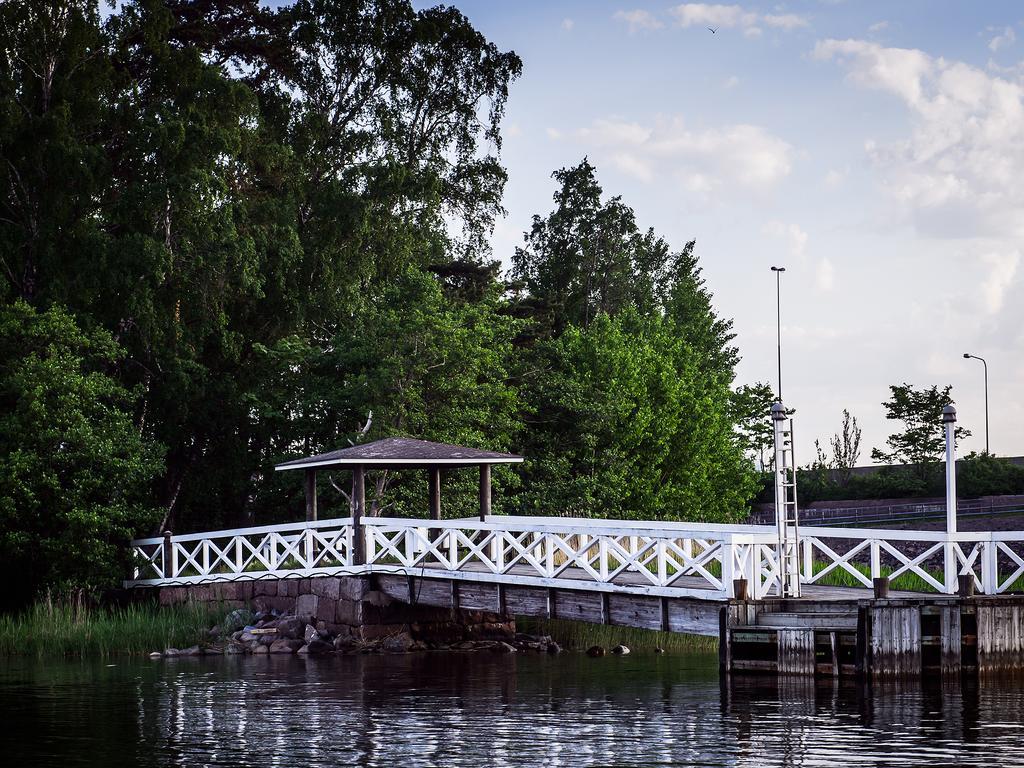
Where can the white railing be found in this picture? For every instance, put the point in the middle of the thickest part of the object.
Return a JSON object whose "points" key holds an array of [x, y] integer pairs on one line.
{"points": [[937, 559], [655, 558], [295, 549]]}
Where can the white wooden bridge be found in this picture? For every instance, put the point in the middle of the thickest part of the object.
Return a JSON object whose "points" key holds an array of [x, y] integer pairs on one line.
{"points": [[785, 598], [668, 559]]}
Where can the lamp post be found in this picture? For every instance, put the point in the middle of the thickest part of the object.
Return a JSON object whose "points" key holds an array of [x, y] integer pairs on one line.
{"points": [[969, 356], [778, 318]]}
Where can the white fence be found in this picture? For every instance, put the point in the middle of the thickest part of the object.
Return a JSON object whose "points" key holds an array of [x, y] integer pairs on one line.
{"points": [[653, 558]]}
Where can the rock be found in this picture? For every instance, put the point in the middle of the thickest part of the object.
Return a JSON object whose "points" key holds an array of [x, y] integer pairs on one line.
{"points": [[306, 607], [284, 646], [155, 655], [316, 647], [192, 651], [595, 650], [234, 648], [172, 652], [620, 650], [344, 642], [503, 648], [554, 648], [310, 633], [236, 620], [659, 650], [397, 643], [303, 650], [291, 627], [261, 649]]}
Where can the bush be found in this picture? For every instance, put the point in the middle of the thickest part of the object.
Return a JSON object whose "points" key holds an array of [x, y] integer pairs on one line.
{"points": [[74, 469]]}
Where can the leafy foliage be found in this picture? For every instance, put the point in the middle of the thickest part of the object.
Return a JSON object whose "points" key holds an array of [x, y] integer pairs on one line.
{"points": [[74, 471], [922, 439]]}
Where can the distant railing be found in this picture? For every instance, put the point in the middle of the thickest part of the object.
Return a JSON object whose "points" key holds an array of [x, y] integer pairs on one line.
{"points": [[700, 560], [890, 512]]}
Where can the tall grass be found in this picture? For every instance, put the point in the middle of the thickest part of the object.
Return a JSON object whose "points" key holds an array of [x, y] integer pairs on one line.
{"points": [[579, 635], [51, 628]]}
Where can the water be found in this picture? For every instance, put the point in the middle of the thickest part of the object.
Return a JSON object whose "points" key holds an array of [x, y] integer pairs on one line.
{"points": [[481, 710]]}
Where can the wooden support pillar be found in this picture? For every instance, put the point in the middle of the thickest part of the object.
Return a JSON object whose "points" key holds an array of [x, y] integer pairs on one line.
{"points": [[358, 509], [310, 495], [485, 491], [435, 493]]}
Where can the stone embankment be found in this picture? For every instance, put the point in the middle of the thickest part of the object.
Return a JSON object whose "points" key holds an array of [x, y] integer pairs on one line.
{"points": [[342, 615]]}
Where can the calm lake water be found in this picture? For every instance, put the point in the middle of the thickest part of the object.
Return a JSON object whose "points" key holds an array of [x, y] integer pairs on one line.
{"points": [[484, 710]]}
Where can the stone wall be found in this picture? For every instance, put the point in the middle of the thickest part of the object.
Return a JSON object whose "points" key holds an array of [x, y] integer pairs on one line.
{"points": [[349, 606]]}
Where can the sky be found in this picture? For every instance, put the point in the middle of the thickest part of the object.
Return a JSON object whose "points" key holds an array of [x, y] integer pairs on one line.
{"points": [[874, 149]]}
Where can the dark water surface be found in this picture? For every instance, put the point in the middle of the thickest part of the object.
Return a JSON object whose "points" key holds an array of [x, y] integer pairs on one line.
{"points": [[483, 710]]}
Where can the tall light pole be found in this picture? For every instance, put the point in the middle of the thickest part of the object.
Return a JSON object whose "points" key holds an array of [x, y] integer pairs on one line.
{"points": [[778, 318], [969, 356]]}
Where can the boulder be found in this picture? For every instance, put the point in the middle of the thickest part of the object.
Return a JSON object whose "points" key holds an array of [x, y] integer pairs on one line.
{"points": [[397, 643], [236, 620], [620, 650], [172, 652], [290, 627], [503, 648], [554, 648], [285, 646], [594, 651], [155, 655], [261, 649], [234, 648], [345, 642], [310, 633], [659, 650], [316, 646]]}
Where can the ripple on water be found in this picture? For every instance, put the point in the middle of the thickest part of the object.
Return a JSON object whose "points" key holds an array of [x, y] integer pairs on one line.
{"points": [[457, 710]]}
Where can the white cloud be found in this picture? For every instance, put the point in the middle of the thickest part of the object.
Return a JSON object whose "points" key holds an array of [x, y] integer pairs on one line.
{"points": [[960, 172], [734, 17], [639, 20], [553, 133], [825, 275], [835, 178], [795, 238], [1003, 39], [512, 130], [731, 82], [1002, 270], [568, 24], [879, 26], [701, 160]]}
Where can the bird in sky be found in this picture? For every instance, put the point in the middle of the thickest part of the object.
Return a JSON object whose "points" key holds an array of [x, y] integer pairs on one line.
{"points": [[713, 31]]}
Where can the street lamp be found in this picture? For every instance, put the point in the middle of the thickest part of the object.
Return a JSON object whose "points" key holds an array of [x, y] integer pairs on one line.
{"points": [[969, 356], [778, 318]]}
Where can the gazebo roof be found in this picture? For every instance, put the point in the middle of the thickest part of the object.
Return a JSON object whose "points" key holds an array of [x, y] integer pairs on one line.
{"points": [[402, 453]]}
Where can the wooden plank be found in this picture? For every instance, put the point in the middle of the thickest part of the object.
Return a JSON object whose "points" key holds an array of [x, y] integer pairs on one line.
{"points": [[635, 611], [698, 617], [526, 601], [796, 651], [578, 606], [478, 597], [950, 639]]}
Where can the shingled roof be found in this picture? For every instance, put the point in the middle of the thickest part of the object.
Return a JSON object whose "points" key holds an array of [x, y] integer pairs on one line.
{"points": [[403, 452]]}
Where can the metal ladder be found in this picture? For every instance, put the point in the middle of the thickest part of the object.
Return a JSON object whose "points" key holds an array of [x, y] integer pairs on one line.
{"points": [[787, 513]]}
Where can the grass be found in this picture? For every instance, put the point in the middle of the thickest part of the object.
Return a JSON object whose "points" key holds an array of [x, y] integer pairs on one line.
{"points": [[578, 636], [52, 628]]}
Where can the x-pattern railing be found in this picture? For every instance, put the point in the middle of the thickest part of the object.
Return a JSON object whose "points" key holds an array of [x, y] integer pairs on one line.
{"points": [[658, 558]]}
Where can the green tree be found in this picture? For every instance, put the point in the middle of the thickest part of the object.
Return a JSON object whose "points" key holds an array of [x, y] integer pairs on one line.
{"points": [[74, 470], [624, 425], [846, 448], [424, 365], [750, 410], [922, 438]]}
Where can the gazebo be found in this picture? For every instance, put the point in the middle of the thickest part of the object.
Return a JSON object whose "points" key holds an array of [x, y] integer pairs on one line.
{"points": [[400, 453]]}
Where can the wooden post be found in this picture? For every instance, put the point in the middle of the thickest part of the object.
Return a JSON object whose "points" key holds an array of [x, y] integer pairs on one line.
{"points": [[168, 563], [358, 508], [881, 587], [435, 493], [310, 495], [485, 492]]}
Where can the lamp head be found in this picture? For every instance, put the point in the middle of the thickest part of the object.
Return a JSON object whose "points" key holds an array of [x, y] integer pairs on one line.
{"points": [[778, 269], [966, 355]]}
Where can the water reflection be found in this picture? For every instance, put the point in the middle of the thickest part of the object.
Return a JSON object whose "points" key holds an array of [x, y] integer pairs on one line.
{"points": [[472, 710]]}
